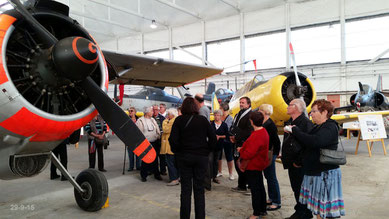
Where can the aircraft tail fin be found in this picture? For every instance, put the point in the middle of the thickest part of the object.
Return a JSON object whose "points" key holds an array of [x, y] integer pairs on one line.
{"points": [[183, 92], [215, 102], [379, 84], [211, 88], [360, 86]]}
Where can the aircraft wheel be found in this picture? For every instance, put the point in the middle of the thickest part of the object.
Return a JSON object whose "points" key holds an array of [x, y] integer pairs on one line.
{"points": [[96, 190]]}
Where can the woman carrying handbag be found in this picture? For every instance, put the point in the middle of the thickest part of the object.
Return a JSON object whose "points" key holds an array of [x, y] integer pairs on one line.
{"points": [[321, 189]]}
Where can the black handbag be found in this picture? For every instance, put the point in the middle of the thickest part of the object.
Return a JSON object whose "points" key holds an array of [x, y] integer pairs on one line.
{"points": [[334, 157]]}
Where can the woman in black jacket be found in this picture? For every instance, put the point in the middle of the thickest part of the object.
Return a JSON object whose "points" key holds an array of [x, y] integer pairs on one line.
{"points": [[321, 189], [273, 187], [191, 140]]}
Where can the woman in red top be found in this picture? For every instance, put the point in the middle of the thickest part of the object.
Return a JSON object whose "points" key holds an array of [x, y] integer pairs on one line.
{"points": [[255, 150]]}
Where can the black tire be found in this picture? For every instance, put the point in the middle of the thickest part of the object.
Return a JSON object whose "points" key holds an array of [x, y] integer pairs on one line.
{"points": [[96, 186]]}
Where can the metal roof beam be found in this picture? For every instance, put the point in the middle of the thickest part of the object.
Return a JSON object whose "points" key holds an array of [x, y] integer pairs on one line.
{"points": [[231, 4], [137, 14], [175, 6], [103, 20]]}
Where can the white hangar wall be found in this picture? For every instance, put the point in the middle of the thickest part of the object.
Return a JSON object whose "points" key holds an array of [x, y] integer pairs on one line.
{"points": [[327, 78]]}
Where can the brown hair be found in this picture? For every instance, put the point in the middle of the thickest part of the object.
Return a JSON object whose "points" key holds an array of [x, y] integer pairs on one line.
{"points": [[247, 100], [324, 105], [257, 118], [189, 107]]}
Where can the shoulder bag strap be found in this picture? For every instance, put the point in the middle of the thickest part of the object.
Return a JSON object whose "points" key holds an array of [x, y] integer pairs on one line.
{"points": [[340, 139], [187, 123]]}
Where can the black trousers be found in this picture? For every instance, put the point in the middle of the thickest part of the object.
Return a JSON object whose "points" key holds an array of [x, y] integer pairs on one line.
{"points": [[62, 154], [296, 176], [209, 172], [145, 168], [192, 169], [92, 156], [242, 178], [162, 158], [215, 162], [258, 193]]}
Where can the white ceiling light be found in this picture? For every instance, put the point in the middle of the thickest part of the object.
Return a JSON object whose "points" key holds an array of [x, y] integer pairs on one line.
{"points": [[153, 24]]}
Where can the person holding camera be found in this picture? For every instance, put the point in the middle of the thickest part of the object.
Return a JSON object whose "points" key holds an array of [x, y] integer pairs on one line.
{"points": [[96, 141], [240, 130], [292, 154]]}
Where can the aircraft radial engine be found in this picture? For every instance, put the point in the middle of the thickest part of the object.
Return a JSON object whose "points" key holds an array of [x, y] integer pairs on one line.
{"points": [[39, 105], [277, 91]]}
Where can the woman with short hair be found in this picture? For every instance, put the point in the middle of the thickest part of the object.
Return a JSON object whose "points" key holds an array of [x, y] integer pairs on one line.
{"points": [[221, 130], [227, 145], [254, 152], [167, 125], [321, 189], [273, 187]]}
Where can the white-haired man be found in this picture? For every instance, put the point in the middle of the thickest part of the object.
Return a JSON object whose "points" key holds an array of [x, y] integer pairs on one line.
{"points": [[292, 154]]}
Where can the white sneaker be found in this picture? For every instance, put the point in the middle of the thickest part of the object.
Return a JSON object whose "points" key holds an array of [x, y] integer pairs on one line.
{"points": [[231, 177], [219, 174]]}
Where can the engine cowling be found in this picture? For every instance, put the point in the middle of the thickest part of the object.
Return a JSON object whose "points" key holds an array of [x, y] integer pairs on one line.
{"points": [[38, 107]]}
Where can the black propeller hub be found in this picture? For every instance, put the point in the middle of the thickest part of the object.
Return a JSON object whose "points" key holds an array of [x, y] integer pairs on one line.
{"points": [[75, 57]]}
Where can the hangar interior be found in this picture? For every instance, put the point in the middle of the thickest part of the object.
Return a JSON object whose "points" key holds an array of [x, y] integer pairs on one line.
{"points": [[337, 42]]}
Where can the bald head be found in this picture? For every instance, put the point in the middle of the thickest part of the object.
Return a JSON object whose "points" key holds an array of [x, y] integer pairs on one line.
{"points": [[199, 99]]}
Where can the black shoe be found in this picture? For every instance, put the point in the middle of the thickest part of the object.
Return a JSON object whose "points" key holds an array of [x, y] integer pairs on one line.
{"points": [[158, 177], [262, 214], [270, 208], [238, 189], [129, 170], [64, 179], [215, 181], [294, 216], [102, 170], [54, 177], [143, 179]]}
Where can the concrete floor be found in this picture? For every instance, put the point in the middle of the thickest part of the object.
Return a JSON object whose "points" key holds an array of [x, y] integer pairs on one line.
{"points": [[365, 190]]}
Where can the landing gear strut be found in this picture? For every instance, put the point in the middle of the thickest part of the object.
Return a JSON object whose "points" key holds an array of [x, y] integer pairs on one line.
{"points": [[90, 187]]}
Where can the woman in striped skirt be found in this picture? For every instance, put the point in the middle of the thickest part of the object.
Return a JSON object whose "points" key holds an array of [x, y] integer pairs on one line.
{"points": [[321, 189]]}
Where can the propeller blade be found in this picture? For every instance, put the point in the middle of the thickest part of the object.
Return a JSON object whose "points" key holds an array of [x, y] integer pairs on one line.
{"points": [[294, 65], [119, 122], [45, 36]]}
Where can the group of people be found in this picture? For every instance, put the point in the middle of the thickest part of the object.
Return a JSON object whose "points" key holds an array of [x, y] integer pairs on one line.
{"points": [[189, 148], [255, 145]]}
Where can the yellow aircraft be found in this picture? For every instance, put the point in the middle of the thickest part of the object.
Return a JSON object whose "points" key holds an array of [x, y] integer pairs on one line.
{"points": [[280, 90], [277, 91]]}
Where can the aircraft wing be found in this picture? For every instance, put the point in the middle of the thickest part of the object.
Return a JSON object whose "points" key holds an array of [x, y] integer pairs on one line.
{"points": [[151, 71], [349, 117]]}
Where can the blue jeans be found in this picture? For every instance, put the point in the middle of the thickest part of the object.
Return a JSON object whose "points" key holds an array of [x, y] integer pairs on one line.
{"points": [[131, 158], [273, 188], [173, 173]]}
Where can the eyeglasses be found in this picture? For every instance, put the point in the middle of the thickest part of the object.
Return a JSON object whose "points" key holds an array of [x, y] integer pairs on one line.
{"points": [[131, 111], [292, 104]]}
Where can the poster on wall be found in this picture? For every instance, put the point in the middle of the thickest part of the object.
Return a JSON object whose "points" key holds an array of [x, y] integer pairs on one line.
{"points": [[372, 127]]}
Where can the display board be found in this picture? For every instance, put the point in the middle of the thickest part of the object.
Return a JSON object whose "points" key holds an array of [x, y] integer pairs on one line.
{"points": [[372, 127]]}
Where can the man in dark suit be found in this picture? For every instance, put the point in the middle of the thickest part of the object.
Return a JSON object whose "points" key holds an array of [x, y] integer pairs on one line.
{"points": [[240, 130]]}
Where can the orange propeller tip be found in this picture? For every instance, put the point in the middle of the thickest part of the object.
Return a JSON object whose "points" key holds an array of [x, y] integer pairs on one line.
{"points": [[150, 156]]}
